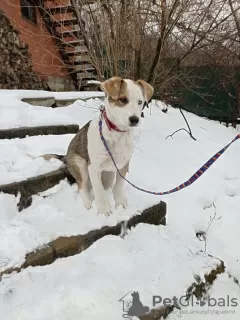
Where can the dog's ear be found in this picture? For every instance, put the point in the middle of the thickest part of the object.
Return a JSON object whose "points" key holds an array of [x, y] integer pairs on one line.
{"points": [[147, 89], [112, 87]]}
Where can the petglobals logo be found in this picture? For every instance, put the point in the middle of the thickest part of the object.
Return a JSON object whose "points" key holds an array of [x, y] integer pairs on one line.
{"points": [[133, 305], [207, 301]]}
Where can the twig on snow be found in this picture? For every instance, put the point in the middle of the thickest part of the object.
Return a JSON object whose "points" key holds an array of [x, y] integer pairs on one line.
{"points": [[189, 131], [202, 235]]}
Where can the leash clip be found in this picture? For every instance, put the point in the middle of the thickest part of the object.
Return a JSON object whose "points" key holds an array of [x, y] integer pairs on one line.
{"points": [[101, 109]]}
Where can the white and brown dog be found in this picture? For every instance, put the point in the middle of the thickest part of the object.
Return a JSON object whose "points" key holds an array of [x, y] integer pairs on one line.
{"points": [[88, 160]]}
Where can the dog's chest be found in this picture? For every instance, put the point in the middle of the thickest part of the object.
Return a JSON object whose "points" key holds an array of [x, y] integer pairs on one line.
{"points": [[121, 150], [119, 144]]}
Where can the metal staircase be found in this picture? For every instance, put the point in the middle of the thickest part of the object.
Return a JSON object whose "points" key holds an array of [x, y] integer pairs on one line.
{"points": [[63, 24]]}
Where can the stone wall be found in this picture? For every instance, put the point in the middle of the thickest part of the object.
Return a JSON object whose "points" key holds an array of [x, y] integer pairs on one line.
{"points": [[15, 60]]}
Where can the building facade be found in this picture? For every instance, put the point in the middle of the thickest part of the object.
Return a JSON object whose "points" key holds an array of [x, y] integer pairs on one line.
{"points": [[48, 34]]}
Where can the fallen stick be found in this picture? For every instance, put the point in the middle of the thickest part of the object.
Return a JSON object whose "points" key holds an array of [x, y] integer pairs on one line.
{"points": [[189, 132]]}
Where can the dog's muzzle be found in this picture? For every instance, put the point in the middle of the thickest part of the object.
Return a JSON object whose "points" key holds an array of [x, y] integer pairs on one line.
{"points": [[133, 121]]}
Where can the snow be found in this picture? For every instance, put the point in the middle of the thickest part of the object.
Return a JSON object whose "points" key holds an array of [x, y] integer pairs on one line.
{"points": [[163, 259], [16, 163], [94, 82], [19, 158], [20, 94], [15, 113], [82, 286], [223, 287]]}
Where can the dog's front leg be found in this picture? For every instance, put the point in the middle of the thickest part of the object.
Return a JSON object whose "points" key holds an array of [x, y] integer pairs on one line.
{"points": [[118, 189], [99, 192]]}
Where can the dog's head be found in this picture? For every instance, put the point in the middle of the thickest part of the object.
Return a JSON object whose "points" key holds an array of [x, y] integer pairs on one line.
{"points": [[125, 100], [135, 295]]}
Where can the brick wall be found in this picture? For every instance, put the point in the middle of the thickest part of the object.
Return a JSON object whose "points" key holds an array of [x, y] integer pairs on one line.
{"points": [[46, 59], [15, 60]]}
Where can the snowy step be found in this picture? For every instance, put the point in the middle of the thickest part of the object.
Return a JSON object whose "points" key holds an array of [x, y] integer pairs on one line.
{"points": [[23, 132], [40, 101], [102, 283], [32, 114], [51, 102], [35, 111], [34, 185], [69, 246], [20, 158]]}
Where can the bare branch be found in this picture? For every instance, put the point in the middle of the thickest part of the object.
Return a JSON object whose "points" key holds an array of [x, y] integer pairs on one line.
{"points": [[189, 131]]}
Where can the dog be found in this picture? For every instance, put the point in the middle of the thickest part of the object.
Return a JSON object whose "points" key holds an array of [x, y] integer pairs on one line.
{"points": [[87, 158]]}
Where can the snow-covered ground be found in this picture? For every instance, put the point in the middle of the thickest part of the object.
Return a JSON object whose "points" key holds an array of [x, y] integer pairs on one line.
{"points": [[15, 113], [19, 158], [15, 157], [20, 94], [153, 260], [88, 286]]}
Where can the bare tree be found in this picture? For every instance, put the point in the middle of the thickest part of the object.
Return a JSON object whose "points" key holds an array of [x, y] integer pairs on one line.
{"points": [[152, 39]]}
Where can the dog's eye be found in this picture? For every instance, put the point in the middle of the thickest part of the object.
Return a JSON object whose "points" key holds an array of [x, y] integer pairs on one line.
{"points": [[139, 102], [124, 100]]}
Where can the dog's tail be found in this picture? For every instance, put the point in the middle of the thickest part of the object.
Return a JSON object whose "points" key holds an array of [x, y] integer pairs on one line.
{"points": [[53, 156], [50, 156]]}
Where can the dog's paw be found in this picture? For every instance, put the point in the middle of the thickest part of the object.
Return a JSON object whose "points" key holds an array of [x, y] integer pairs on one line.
{"points": [[121, 201], [104, 208], [106, 213], [87, 201], [88, 205]]}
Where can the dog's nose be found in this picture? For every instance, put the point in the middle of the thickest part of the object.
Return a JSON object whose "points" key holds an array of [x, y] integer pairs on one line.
{"points": [[133, 120]]}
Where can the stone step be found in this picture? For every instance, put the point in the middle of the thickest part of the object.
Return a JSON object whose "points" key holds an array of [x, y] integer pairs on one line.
{"points": [[51, 102], [82, 62], [34, 185], [23, 132], [197, 290], [70, 246], [72, 44], [89, 1], [79, 47], [82, 67], [70, 33], [80, 50], [78, 54], [85, 75], [60, 9], [66, 22]]}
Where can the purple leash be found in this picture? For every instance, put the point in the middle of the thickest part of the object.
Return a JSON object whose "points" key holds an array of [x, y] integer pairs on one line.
{"points": [[193, 178]]}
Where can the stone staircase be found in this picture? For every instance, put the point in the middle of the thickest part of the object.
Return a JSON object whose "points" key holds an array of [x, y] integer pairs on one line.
{"points": [[63, 24]]}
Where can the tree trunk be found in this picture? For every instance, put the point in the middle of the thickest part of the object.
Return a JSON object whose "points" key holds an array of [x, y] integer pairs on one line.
{"points": [[138, 64], [160, 42], [236, 112]]}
